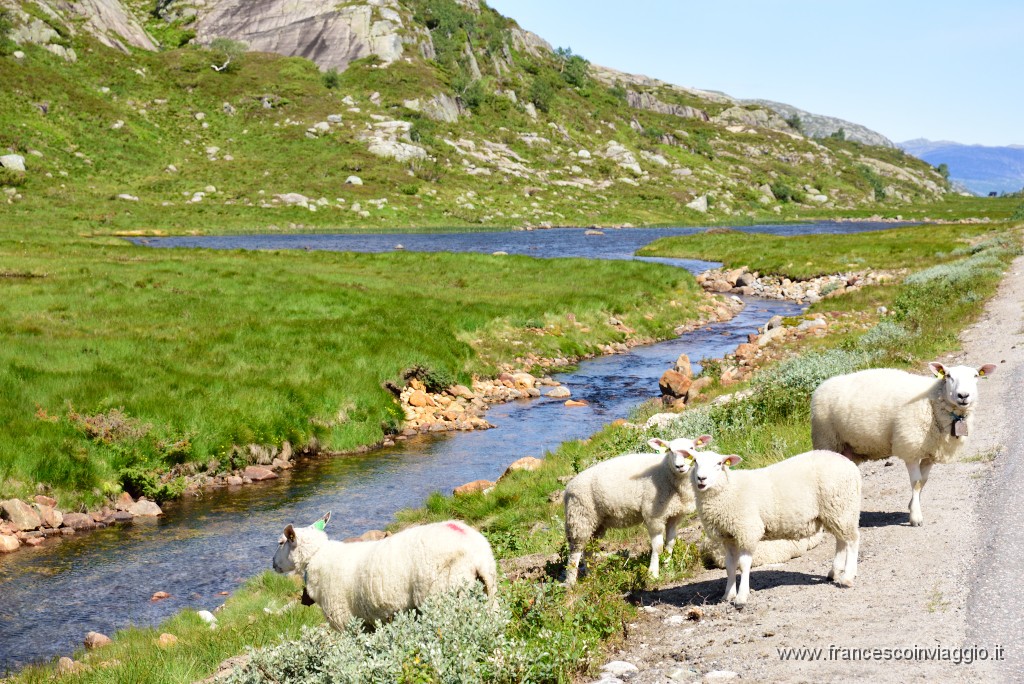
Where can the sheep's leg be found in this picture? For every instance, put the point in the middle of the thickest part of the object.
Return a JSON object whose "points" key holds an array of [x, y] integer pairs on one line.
{"points": [[657, 532], [671, 526], [572, 567], [852, 548], [916, 483], [839, 561], [731, 558], [746, 555]]}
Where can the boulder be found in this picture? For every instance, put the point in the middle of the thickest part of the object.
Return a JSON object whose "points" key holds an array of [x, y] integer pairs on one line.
{"points": [[79, 521], [44, 500], [145, 508], [697, 387], [14, 162], [524, 463], [123, 502], [9, 543], [683, 366], [68, 666], [746, 351], [50, 516], [20, 515], [259, 473], [700, 204], [473, 487], [561, 392], [674, 384], [165, 640], [353, 180], [576, 402], [461, 391], [419, 399], [96, 640]]}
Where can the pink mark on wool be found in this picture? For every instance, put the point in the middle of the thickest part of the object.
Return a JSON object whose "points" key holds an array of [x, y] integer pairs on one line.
{"points": [[456, 527]]}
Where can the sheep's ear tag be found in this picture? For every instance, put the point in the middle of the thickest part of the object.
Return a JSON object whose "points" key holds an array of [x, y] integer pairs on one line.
{"points": [[319, 525], [959, 427]]}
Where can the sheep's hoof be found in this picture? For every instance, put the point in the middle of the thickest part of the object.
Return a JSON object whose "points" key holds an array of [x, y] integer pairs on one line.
{"points": [[844, 582], [916, 523]]}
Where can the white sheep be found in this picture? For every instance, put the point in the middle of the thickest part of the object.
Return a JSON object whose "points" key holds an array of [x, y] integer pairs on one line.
{"points": [[791, 499], [373, 580], [883, 412], [628, 490]]}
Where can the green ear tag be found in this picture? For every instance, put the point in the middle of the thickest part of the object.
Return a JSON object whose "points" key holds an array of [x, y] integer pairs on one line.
{"points": [[319, 525]]}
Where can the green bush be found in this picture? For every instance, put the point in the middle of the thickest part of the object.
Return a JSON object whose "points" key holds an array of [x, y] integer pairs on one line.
{"points": [[434, 379], [453, 638], [542, 94], [12, 178], [331, 79], [7, 46], [140, 481]]}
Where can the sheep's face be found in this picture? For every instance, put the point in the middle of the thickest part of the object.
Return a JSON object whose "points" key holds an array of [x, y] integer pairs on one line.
{"points": [[286, 545], [296, 545], [710, 470], [677, 450], [961, 382]]}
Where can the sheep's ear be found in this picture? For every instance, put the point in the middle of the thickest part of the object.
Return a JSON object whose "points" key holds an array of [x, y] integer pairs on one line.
{"points": [[322, 522], [732, 460], [987, 369], [659, 445], [702, 441], [289, 534], [938, 369], [691, 455]]}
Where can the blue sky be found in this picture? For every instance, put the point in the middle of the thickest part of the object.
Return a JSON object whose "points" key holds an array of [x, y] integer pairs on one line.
{"points": [[906, 68]]}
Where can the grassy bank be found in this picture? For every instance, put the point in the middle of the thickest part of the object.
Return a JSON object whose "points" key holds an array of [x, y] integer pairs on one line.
{"points": [[563, 632], [119, 358], [803, 257]]}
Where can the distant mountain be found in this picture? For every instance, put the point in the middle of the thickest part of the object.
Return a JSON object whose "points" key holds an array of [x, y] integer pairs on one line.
{"points": [[981, 169], [821, 126]]}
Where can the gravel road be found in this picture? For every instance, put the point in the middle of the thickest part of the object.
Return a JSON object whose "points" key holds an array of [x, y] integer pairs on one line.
{"points": [[949, 585]]}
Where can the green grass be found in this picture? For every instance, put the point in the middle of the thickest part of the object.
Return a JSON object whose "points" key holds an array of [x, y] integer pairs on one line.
{"points": [[203, 350], [804, 257]]}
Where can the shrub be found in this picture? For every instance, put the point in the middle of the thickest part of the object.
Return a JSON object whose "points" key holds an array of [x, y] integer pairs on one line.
{"points": [[7, 46], [434, 379], [227, 52], [542, 94], [140, 481], [874, 181], [1018, 213], [887, 335], [331, 79], [12, 178], [453, 638], [785, 193]]}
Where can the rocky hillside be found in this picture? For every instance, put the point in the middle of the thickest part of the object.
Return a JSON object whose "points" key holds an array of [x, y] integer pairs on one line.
{"points": [[821, 126], [386, 113]]}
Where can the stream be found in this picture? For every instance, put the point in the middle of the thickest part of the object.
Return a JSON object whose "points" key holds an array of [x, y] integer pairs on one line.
{"points": [[102, 581]]}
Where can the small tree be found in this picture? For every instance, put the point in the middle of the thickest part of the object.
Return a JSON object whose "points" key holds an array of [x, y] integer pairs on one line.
{"points": [[796, 123], [574, 69], [943, 170], [839, 135], [227, 52]]}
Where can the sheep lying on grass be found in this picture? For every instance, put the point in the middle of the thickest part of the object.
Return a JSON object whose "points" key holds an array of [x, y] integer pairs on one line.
{"points": [[373, 580], [882, 412], [628, 490], [791, 499]]}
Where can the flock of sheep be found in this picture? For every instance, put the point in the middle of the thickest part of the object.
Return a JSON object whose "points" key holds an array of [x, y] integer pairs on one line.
{"points": [[871, 414]]}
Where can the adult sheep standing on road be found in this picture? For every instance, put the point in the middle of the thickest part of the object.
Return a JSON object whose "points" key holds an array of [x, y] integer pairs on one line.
{"points": [[373, 580], [882, 412]]}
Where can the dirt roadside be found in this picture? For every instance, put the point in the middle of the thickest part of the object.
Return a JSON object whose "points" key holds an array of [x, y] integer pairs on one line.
{"points": [[914, 586]]}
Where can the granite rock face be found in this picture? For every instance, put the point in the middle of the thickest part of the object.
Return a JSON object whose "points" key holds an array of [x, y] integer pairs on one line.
{"points": [[330, 35]]}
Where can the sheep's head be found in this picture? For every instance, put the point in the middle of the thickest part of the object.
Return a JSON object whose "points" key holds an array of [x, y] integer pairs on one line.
{"points": [[676, 450], [960, 389], [710, 470], [297, 545]]}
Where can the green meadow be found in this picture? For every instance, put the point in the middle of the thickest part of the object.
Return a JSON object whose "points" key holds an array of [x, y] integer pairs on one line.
{"points": [[119, 358]]}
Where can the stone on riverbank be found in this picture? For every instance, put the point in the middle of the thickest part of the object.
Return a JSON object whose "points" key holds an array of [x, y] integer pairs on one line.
{"points": [[19, 515], [95, 640]]}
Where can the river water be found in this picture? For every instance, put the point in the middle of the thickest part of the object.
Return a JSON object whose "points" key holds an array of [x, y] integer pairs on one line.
{"points": [[102, 581]]}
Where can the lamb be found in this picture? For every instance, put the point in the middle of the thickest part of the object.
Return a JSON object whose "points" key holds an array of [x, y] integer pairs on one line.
{"points": [[882, 412], [625, 491], [373, 580], [791, 499]]}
